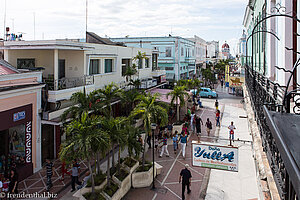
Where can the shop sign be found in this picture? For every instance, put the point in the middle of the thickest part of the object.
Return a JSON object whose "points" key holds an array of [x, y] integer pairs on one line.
{"points": [[19, 116], [214, 156], [28, 144]]}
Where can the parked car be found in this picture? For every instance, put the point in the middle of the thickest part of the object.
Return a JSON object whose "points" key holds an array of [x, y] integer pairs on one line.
{"points": [[205, 92]]}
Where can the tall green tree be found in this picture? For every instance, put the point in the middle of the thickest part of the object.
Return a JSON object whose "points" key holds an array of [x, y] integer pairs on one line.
{"points": [[133, 145], [82, 102], [129, 98], [130, 71], [178, 95], [84, 141], [150, 110], [107, 95]]}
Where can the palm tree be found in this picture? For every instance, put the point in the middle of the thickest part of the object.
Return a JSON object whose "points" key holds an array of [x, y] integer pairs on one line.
{"points": [[113, 126], [129, 99], [132, 142], [139, 57], [150, 110], [82, 102], [84, 141], [178, 94], [107, 95], [130, 71], [135, 83]]}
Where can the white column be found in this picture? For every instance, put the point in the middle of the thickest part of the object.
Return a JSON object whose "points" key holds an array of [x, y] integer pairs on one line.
{"points": [[55, 63]]}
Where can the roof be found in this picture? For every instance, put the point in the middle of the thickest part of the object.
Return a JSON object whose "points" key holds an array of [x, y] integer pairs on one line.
{"points": [[92, 37], [225, 45], [6, 68]]}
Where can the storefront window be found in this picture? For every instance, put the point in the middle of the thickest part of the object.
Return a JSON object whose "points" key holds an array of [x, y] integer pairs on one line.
{"points": [[17, 142]]}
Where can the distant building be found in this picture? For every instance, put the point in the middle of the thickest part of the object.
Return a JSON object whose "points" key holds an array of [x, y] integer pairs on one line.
{"points": [[242, 48], [225, 51], [176, 54], [200, 53]]}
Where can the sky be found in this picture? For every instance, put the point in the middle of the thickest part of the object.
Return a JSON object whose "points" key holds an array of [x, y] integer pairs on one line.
{"points": [[219, 20]]}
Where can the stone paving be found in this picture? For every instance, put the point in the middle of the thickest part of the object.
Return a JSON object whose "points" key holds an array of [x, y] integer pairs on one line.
{"points": [[167, 185]]}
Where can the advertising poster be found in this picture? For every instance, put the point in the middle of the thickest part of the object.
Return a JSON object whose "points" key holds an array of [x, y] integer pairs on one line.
{"points": [[215, 156]]}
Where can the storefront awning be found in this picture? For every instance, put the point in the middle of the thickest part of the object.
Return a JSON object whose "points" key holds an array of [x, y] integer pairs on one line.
{"points": [[170, 76]]}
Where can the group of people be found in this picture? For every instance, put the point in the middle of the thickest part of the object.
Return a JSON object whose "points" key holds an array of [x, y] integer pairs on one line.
{"points": [[9, 184], [75, 171]]}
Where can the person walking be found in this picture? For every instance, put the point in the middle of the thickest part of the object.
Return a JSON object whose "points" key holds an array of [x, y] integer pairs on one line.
{"points": [[208, 125], [217, 104], [49, 172], [164, 146], [75, 174], [231, 128], [198, 125], [13, 182], [183, 141], [185, 178], [64, 170], [175, 142], [218, 118]]}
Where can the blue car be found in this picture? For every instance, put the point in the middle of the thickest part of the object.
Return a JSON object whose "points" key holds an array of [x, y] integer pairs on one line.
{"points": [[205, 92]]}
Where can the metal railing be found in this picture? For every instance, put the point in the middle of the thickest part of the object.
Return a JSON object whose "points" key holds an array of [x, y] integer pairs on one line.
{"points": [[264, 92], [66, 83]]}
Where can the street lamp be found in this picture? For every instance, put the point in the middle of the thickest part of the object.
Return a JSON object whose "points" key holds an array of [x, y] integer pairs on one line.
{"points": [[153, 128]]}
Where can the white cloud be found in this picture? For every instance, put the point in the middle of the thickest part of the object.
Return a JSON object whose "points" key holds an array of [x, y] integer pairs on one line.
{"points": [[210, 19]]}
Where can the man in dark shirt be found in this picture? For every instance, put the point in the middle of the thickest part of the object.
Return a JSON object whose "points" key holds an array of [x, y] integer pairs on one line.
{"points": [[49, 172], [185, 176]]}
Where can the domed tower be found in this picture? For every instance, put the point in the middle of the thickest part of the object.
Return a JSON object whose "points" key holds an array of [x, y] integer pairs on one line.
{"points": [[225, 50]]}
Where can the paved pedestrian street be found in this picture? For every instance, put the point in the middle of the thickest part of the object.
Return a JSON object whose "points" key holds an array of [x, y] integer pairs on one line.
{"points": [[167, 183]]}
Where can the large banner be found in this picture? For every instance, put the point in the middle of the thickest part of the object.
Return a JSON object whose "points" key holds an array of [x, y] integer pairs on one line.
{"points": [[215, 156]]}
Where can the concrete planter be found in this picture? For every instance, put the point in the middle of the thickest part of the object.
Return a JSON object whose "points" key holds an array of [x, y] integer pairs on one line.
{"points": [[79, 194], [132, 169], [142, 179], [124, 185], [117, 196]]}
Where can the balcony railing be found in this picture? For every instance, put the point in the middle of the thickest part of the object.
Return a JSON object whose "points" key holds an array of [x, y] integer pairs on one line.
{"points": [[72, 82], [267, 97]]}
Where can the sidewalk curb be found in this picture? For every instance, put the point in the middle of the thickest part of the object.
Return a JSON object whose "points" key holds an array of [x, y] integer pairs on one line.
{"points": [[266, 180]]}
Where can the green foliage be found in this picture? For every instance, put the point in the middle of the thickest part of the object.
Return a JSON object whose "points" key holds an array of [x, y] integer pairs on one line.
{"points": [[132, 142], [145, 168], [122, 174], [94, 196], [107, 95], [111, 190], [99, 178], [130, 162]]}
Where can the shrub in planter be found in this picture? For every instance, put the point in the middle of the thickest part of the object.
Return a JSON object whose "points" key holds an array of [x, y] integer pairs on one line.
{"points": [[99, 179], [96, 196], [147, 166], [111, 190], [122, 175], [130, 162]]}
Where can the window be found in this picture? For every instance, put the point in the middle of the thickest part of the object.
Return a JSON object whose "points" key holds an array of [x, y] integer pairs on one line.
{"points": [[25, 63], [168, 51], [108, 65], [125, 65], [182, 52], [147, 63], [140, 64], [94, 66]]}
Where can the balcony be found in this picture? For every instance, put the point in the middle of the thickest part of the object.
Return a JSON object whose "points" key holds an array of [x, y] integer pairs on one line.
{"points": [[158, 73], [62, 89]]}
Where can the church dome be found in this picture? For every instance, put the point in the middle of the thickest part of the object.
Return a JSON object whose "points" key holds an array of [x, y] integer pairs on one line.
{"points": [[225, 46]]}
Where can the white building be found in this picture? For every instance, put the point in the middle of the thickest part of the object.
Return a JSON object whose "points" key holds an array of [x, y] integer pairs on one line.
{"points": [[200, 52], [72, 66]]}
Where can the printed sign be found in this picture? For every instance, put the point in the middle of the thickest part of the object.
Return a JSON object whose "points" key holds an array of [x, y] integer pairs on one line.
{"points": [[19, 115], [28, 144], [216, 157]]}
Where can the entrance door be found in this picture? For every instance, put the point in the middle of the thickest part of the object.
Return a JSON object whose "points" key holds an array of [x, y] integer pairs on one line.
{"points": [[61, 69], [47, 142]]}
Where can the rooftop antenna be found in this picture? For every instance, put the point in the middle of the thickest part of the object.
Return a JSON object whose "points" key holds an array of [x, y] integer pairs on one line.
{"points": [[4, 28], [86, 18]]}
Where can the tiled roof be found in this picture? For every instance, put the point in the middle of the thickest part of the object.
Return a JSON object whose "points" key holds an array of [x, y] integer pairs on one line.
{"points": [[6, 68]]}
